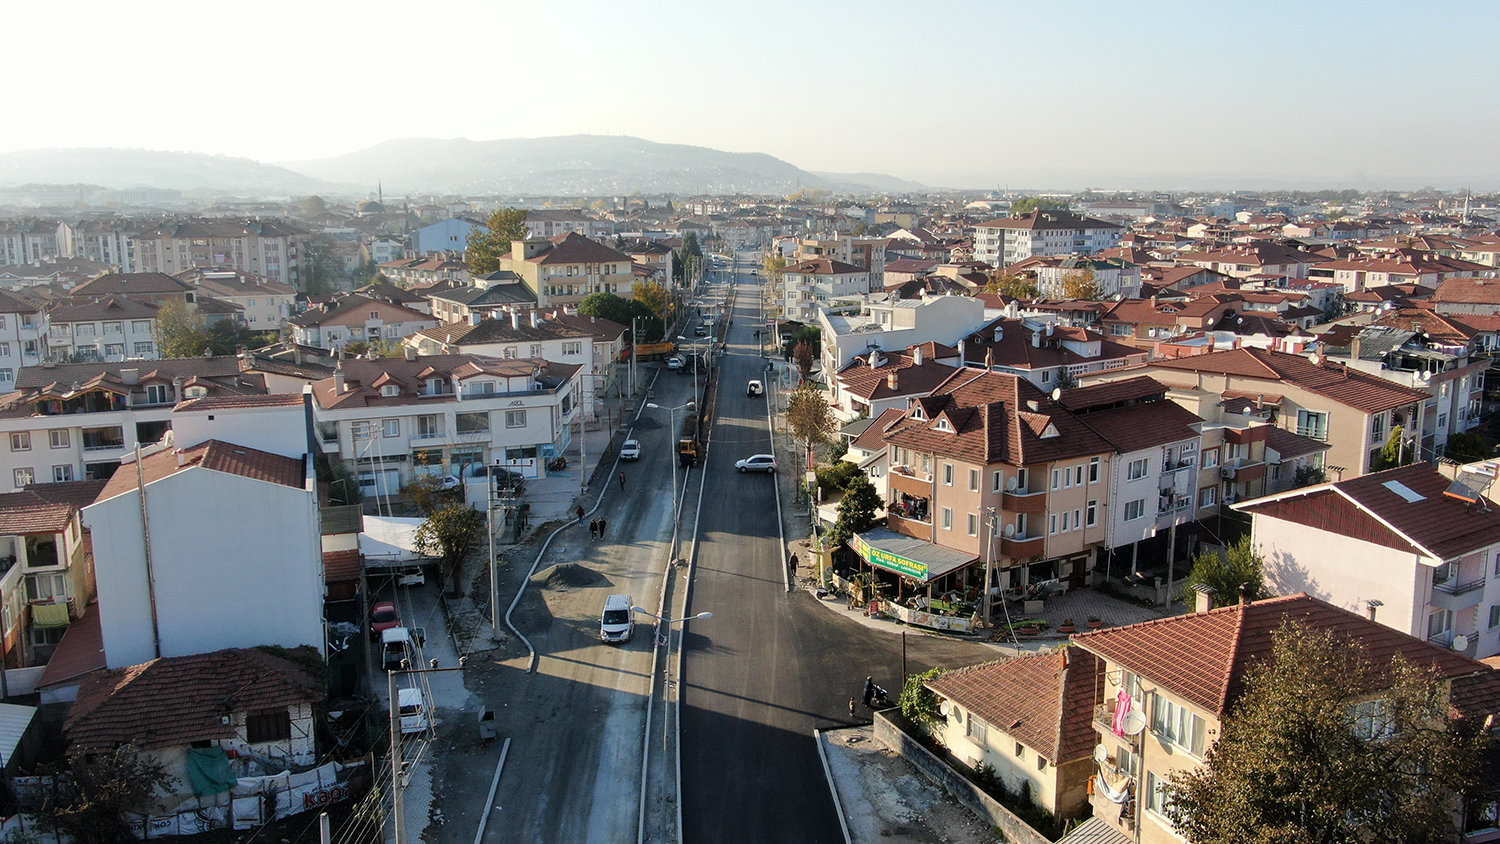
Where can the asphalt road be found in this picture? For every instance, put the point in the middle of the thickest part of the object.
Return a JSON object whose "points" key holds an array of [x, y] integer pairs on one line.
{"points": [[770, 666]]}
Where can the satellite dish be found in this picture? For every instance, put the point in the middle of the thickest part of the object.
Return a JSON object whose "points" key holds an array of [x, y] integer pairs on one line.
{"points": [[946, 707], [1010, 530], [1135, 722], [1056, 393], [1461, 642], [1101, 754], [1010, 484]]}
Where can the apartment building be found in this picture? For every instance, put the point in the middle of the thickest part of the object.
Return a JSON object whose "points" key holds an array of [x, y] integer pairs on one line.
{"points": [[29, 241], [1249, 259], [1010, 240], [264, 247], [560, 271], [109, 329], [1407, 546], [1047, 354], [1114, 277], [547, 223], [392, 419], [876, 382], [890, 326], [77, 421], [810, 285], [48, 568], [867, 253], [105, 241], [23, 338], [997, 470], [265, 304], [451, 235], [352, 318]]}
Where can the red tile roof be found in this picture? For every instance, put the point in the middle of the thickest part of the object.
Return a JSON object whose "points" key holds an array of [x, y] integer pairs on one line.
{"points": [[340, 566], [1144, 425], [217, 455], [873, 383], [1334, 381], [180, 700], [80, 651], [824, 266], [1204, 658], [1437, 526], [1468, 291], [574, 248], [1045, 701], [872, 438], [239, 402]]}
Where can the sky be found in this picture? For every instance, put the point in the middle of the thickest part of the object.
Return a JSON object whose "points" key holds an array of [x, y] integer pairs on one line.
{"points": [[1062, 94]]}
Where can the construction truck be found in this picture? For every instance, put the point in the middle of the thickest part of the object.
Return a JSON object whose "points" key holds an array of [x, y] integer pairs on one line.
{"points": [[687, 441]]}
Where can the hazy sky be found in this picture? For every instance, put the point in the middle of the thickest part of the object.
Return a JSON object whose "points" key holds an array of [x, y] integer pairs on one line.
{"points": [[985, 93]]}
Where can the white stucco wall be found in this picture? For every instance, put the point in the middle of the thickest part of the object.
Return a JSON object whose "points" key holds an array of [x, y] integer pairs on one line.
{"points": [[278, 430], [237, 563]]}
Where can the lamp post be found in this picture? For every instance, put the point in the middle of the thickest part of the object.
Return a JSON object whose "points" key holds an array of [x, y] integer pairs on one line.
{"points": [[666, 663]]}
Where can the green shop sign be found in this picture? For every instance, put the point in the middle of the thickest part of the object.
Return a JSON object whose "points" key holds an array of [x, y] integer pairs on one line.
{"points": [[887, 560]]}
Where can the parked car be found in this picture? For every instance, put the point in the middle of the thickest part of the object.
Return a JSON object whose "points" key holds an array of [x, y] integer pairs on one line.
{"points": [[754, 388], [618, 620], [674, 363], [757, 463], [504, 478], [395, 647], [413, 706], [630, 450], [383, 617], [700, 331], [411, 576]]}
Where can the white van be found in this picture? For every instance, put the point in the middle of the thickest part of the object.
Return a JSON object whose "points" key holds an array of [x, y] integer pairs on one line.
{"points": [[413, 710], [395, 646], [618, 622]]}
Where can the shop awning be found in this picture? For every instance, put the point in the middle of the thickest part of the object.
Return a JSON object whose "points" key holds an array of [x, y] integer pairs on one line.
{"points": [[907, 556]]}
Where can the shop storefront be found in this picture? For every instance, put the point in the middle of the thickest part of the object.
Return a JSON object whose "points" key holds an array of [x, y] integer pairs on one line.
{"points": [[918, 582]]}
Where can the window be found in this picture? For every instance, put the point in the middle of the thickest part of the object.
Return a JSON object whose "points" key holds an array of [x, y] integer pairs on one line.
{"points": [[1052, 525], [1208, 496], [59, 438], [1495, 616], [947, 518], [976, 729], [1064, 521], [1135, 509], [144, 349], [157, 394], [1372, 720], [515, 418], [1056, 479], [1078, 475], [1210, 458], [1312, 423], [1157, 801], [390, 427], [973, 524], [1020, 750], [374, 314], [997, 478], [973, 480], [567, 349], [140, 326], [1041, 762], [362, 430], [85, 329], [20, 441], [390, 390], [62, 473], [947, 474], [1077, 515], [24, 477], [114, 349], [1093, 470], [114, 328], [1137, 469], [1174, 723], [472, 423], [268, 725], [427, 426], [1377, 427]]}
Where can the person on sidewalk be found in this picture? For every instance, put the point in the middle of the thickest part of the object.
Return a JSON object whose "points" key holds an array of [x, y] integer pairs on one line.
{"points": [[602, 523], [869, 691], [580, 515], [593, 529]]}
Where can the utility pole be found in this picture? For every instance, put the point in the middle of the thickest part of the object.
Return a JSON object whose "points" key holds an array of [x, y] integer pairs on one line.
{"points": [[635, 346], [398, 788], [989, 568]]}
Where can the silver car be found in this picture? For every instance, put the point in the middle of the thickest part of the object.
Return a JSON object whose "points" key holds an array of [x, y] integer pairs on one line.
{"points": [[757, 463]]}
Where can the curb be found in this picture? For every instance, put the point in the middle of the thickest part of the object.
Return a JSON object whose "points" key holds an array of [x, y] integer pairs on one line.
{"points": [[833, 788]]}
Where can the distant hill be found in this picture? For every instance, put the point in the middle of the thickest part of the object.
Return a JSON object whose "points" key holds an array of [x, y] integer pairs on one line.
{"points": [[870, 183], [137, 168], [566, 165]]}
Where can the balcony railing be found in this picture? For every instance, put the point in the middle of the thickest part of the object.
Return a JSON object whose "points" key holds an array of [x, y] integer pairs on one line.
{"points": [[1023, 546], [427, 435], [1453, 587]]}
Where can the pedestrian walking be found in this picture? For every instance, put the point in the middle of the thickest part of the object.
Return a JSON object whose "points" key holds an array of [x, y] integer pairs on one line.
{"points": [[791, 565], [593, 529], [869, 690], [622, 481], [852, 710], [580, 514], [602, 523]]}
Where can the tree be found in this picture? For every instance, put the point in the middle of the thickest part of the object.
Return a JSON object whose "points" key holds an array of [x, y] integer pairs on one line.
{"points": [[1240, 566], [804, 355], [319, 266], [179, 332], [1014, 286], [808, 415], [1468, 447], [656, 297], [1395, 453], [620, 310], [104, 788], [486, 246], [450, 534], [1022, 207], [688, 256], [312, 207], [920, 704], [1079, 285], [1298, 763], [856, 511]]}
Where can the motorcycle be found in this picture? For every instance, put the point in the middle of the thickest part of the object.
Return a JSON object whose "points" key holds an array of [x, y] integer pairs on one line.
{"points": [[881, 699]]}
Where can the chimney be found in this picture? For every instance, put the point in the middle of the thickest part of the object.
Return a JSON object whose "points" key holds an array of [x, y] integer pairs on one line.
{"points": [[891, 379], [963, 359], [181, 458], [177, 388], [515, 319], [130, 377], [411, 353], [1205, 599], [1354, 346], [474, 318], [1034, 406], [1036, 339], [999, 333], [338, 380], [1371, 606], [916, 357], [536, 319]]}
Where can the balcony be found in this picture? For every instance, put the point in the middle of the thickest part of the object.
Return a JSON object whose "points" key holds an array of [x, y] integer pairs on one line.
{"points": [[1454, 595], [427, 436], [1024, 501], [909, 525], [1317, 432], [1449, 639], [1023, 546]]}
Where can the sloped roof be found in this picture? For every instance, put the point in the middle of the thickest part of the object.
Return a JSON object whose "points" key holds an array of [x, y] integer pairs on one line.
{"points": [[1337, 382], [125, 284], [823, 266], [353, 301], [1468, 291], [873, 383], [1366, 508], [229, 458], [1143, 425], [1204, 658], [574, 248], [179, 700], [1045, 701]]}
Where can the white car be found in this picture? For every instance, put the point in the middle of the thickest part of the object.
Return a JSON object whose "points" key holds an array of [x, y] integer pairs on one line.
{"points": [[674, 363], [757, 463], [754, 388], [630, 450]]}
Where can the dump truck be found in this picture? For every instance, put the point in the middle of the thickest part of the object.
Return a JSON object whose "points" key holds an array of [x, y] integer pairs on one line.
{"points": [[687, 441]]}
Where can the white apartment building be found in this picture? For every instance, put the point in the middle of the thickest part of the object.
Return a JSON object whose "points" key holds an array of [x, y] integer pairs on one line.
{"points": [[265, 303], [1115, 278], [810, 285], [111, 329], [892, 326], [23, 338], [263, 247], [1047, 234], [355, 317], [106, 241], [392, 419]]}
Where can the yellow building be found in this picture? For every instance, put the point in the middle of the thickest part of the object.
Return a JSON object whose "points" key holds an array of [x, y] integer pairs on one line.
{"points": [[564, 269]]}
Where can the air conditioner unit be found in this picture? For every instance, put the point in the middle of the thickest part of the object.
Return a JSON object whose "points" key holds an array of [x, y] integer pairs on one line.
{"points": [[1227, 471]]}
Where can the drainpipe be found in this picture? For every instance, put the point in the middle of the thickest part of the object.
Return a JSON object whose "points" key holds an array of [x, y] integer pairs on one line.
{"points": [[140, 485]]}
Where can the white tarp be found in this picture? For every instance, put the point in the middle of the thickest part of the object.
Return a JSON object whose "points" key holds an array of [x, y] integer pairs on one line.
{"points": [[388, 540]]}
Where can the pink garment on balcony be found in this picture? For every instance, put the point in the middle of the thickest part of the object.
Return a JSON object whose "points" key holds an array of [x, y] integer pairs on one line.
{"points": [[1123, 704]]}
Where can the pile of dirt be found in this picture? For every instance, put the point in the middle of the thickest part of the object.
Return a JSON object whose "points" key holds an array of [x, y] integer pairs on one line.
{"points": [[565, 576]]}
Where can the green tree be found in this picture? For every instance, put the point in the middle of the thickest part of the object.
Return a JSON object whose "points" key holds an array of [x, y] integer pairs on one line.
{"points": [[1468, 447], [620, 310], [1014, 286], [1397, 452], [312, 207], [319, 268], [450, 534], [656, 297], [689, 256], [104, 788], [1022, 207], [488, 245], [808, 415], [856, 511], [920, 704], [1240, 566], [179, 332], [1293, 765]]}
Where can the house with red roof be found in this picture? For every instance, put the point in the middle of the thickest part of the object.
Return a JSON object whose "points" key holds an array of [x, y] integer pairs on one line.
{"points": [[1167, 686], [562, 270], [48, 568], [1047, 353], [813, 283], [875, 382]]}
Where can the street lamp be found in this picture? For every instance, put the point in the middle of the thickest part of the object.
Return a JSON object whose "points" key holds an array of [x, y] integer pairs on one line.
{"points": [[644, 611]]}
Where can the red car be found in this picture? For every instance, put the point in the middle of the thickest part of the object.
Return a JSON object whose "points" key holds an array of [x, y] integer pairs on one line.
{"points": [[383, 617]]}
